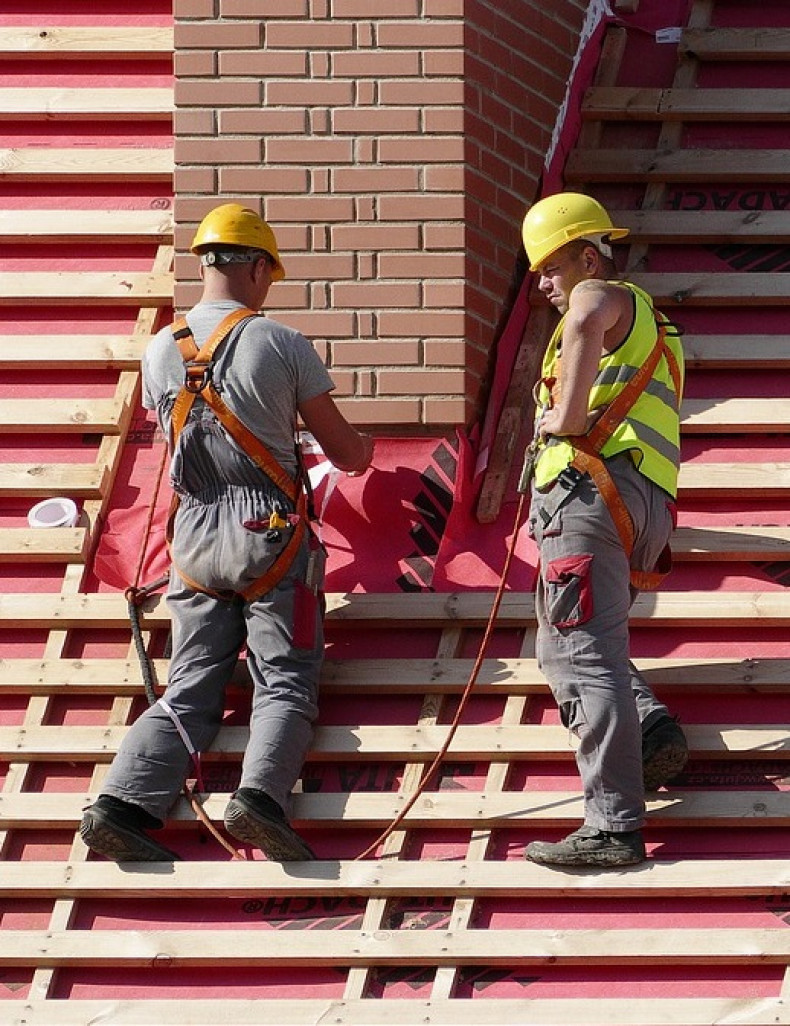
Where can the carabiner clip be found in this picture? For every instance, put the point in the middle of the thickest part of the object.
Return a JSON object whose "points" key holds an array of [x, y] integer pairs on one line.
{"points": [[197, 376]]}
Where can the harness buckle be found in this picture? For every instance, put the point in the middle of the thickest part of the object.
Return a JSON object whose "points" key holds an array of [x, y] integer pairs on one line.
{"points": [[569, 478], [197, 375]]}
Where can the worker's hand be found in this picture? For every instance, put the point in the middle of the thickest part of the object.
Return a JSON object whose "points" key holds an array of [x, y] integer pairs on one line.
{"points": [[557, 421], [550, 422], [367, 442]]}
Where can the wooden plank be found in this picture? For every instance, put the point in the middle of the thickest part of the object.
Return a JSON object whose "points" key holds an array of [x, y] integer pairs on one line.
{"points": [[37, 480], [736, 44], [120, 352], [88, 288], [756, 352], [31, 545], [515, 676], [700, 227], [734, 416], [57, 103], [731, 543], [633, 103], [501, 947], [692, 288], [518, 409], [757, 809], [60, 416], [86, 676], [399, 676], [671, 289], [553, 1011], [425, 610], [394, 743], [127, 42], [519, 676], [515, 878], [678, 165], [118, 164], [734, 479], [77, 225]]}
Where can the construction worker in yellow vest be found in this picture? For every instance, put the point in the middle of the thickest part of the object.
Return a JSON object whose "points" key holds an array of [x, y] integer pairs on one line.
{"points": [[604, 481], [228, 384]]}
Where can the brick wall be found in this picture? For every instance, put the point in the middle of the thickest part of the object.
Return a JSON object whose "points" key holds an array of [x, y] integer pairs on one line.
{"points": [[393, 145]]}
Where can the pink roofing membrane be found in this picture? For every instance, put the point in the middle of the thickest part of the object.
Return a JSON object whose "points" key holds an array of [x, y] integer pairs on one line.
{"points": [[407, 526]]}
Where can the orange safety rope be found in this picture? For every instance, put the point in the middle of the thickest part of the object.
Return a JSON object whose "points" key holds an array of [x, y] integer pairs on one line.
{"points": [[466, 694]]}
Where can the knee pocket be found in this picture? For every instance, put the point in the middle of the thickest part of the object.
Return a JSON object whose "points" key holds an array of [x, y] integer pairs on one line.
{"points": [[572, 717], [569, 597]]}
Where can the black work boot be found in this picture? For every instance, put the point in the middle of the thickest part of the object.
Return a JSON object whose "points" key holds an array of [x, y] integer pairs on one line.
{"points": [[116, 829], [589, 846], [664, 752], [255, 818]]}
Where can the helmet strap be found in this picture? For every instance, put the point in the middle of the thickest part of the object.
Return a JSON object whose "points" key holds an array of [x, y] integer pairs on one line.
{"points": [[601, 243]]}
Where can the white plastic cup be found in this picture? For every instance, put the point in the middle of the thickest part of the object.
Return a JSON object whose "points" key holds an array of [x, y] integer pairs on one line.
{"points": [[55, 512]]}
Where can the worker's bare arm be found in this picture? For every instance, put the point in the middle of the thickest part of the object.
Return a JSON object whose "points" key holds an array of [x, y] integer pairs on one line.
{"points": [[344, 446], [595, 313]]}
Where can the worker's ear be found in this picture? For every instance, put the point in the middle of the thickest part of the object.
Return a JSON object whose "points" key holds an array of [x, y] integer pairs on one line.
{"points": [[259, 268], [591, 259]]}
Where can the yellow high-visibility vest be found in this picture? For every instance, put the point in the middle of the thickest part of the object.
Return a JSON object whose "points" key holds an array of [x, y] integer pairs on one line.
{"points": [[650, 432]]}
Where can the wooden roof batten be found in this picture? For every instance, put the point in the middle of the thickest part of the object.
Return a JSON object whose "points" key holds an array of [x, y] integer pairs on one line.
{"points": [[85, 42], [488, 811], [397, 1012]]}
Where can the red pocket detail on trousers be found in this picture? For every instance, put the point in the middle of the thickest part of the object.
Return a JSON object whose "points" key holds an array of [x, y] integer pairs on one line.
{"points": [[569, 599], [305, 612]]}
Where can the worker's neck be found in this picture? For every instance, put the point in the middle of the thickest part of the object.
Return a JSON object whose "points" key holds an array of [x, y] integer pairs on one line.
{"points": [[219, 293]]}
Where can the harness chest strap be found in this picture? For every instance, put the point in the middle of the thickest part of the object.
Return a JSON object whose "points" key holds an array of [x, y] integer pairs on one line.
{"points": [[198, 381]]}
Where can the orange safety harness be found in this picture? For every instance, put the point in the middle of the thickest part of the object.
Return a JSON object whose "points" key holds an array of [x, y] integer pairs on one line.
{"points": [[589, 461], [198, 381]]}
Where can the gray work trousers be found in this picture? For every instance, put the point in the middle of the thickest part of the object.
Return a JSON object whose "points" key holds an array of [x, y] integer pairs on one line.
{"points": [[582, 603], [208, 634]]}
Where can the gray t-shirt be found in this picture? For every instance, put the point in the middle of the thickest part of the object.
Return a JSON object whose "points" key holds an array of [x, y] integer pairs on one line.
{"points": [[264, 371]]}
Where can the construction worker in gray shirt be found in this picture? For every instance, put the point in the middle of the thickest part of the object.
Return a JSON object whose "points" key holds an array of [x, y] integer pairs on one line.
{"points": [[228, 385]]}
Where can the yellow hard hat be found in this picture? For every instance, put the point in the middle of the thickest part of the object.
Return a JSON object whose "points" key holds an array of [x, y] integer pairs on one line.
{"points": [[556, 220], [231, 224]]}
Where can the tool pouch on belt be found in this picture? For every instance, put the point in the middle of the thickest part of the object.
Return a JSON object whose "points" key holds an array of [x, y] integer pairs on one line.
{"points": [[198, 382]]}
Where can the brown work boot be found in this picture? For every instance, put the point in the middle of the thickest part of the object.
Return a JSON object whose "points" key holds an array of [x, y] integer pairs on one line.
{"points": [[589, 846], [665, 752]]}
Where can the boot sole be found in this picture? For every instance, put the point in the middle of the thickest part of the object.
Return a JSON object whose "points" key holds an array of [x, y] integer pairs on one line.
{"points": [[108, 838], [665, 765], [600, 858], [277, 841]]}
